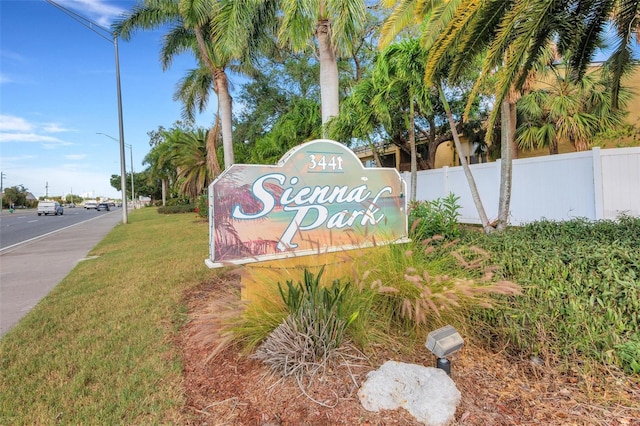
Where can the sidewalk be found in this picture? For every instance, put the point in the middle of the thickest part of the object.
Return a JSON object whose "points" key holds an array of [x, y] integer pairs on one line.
{"points": [[30, 271]]}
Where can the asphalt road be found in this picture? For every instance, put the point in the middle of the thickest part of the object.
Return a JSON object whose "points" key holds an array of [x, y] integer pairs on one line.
{"points": [[30, 269], [24, 225]]}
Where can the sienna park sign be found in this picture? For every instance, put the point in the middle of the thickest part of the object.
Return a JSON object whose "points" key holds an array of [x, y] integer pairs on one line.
{"points": [[318, 199]]}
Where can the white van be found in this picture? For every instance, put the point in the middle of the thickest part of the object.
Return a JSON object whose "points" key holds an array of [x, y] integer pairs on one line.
{"points": [[49, 207]]}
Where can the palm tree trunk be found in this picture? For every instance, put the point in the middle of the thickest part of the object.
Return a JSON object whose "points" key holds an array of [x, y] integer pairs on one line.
{"points": [[328, 72], [486, 226], [506, 163], [221, 87], [224, 101], [412, 144], [164, 192], [513, 116], [213, 164], [374, 152], [581, 145]]}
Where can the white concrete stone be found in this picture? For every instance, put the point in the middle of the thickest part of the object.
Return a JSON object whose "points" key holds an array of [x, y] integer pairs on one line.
{"points": [[427, 393]]}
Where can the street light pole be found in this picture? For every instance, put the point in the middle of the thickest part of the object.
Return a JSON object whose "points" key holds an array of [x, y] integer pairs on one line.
{"points": [[133, 188], [123, 167], [131, 153], [102, 33]]}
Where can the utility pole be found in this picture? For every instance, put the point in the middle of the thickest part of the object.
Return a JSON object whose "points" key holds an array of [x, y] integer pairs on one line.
{"points": [[2, 176], [46, 188]]}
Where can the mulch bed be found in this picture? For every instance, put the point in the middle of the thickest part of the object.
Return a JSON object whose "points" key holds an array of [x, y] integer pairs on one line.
{"points": [[230, 389]]}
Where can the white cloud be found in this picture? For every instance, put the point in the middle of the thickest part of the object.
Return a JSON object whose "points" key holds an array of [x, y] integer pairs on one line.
{"points": [[10, 162], [19, 130], [31, 137], [96, 10], [13, 123], [4, 79], [54, 128], [75, 156]]}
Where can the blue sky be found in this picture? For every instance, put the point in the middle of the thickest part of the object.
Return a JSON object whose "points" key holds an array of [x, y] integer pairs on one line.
{"points": [[58, 90]]}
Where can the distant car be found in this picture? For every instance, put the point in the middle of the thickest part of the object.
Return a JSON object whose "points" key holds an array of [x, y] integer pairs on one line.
{"points": [[103, 206], [49, 207], [90, 205]]}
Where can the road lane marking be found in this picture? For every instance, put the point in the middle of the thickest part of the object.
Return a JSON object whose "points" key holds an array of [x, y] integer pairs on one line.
{"points": [[2, 250]]}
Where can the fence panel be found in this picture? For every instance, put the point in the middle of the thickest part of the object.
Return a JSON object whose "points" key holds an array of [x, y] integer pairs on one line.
{"points": [[593, 184], [620, 182]]}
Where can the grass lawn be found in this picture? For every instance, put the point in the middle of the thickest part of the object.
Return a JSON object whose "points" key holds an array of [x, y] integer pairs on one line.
{"points": [[101, 347], [98, 349]]}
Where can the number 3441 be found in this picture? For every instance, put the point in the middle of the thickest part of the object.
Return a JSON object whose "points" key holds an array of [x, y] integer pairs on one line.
{"points": [[333, 162]]}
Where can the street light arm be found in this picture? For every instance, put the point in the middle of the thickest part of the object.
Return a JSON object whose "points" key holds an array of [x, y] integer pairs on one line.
{"points": [[111, 137], [86, 22]]}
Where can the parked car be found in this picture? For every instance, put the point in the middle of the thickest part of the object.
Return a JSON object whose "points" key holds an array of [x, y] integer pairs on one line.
{"points": [[103, 206], [49, 207]]}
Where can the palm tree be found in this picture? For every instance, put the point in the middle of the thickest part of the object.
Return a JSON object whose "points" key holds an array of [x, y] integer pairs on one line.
{"points": [[189, 156], [563, 110], [514, 36], [441, 37], [190, 29], [160, 165], [333, 24], [300, 123], [193, 91], [401, 67]]}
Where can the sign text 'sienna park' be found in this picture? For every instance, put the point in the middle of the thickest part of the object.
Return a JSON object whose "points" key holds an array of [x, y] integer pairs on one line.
{"points": [[317, 199]]}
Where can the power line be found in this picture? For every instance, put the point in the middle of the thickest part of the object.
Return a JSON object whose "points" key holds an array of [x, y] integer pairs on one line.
{"points": [[93, 26]]}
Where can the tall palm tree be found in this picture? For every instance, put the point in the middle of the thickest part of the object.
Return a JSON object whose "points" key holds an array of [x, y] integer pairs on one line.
{"points": [[333, 24], [190, 30], [443, 30], [401, 67]]}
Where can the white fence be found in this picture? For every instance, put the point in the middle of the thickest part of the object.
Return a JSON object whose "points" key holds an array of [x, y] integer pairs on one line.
{"points": [[596, 184]]}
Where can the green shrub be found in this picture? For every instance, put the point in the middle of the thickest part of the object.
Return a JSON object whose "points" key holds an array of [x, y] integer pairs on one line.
{"points": [[629, 354], [581, 288], [202, 206], [436, 217], [313, 331], [178, 202], [176, 209]]}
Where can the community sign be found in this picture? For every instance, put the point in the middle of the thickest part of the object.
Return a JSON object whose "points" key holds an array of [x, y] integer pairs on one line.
{"points": [[319, 198]]}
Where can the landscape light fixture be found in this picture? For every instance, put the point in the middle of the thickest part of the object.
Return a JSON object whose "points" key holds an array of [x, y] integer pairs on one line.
{"points": [[442, 343]]}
